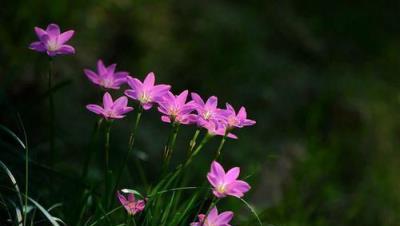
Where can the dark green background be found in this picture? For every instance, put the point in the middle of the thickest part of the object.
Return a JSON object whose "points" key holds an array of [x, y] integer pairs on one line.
{"points": [[320, 77]]}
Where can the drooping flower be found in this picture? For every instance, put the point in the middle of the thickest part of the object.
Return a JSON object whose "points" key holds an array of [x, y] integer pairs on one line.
{"points": [[214, 219], [175, 108], [106, 76], [218, 127], [225, 184], [131, 205], [146, 93], [111, 109], [238, 120], [52, 41]]}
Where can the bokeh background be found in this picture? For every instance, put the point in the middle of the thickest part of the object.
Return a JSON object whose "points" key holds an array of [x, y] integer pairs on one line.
{"points": [[321, 79]]}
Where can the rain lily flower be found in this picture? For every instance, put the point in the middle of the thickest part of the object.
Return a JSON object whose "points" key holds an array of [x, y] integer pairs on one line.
{"points": [[106, 76], [146, 93], [214, 219], [226, 183], [238, 120], [175, 108], [218, 127], [206, 111], [111, 109], [52, 41], [131, 205]]}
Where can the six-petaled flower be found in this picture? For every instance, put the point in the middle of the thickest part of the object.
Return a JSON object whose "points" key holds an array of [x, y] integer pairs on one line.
{"points": [[225, 184], [214, 219], [107, 77], [175, 108], [52, 41], [146, 92], [131, 204], [111, 109]]}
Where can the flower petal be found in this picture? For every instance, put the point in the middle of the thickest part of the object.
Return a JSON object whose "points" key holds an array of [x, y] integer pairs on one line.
{"points": [[40, 32], [92, 76], [37, 46], [232, 175], [66, 49], [65, 36], [107, 101], [149, 80], [53, 30], [224, 218], [95, 108]]}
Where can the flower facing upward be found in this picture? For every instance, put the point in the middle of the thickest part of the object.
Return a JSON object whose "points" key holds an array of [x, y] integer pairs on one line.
{"points": [[131, 205], [214, 219], [52, 41], [226, 183], [238, 120], [206, 111], [175, 108], [106, 76], [111, 109], [146, 93]]}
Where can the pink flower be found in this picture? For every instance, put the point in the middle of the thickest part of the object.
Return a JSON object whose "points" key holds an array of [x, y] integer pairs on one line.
{"points": [[214, 219], [175, 108], [131, 205], [111, 109], [206, 111], [106, 76], [52, 41], [238, 120], [218, 127], [146, 93], [226, 183]]}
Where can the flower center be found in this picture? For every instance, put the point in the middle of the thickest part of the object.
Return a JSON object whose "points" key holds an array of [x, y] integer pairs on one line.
{"points": [[207, 115], [221, 188], [145, 98], [52, 45], [107, 83]]}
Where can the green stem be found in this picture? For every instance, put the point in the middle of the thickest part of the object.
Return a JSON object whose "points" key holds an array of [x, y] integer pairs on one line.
{"points": [[131, 144], [170, 145], [51, 111], [221, 145], [25, 208], [192, 143], [206, 138], [106, 166], [90, 152]]}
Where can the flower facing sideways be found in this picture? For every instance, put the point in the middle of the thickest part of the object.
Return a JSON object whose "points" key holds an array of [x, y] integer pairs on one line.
{"points": [[107, 77], [226, 183], [52, 41], [175, 108], [111, 109], [131, 205], [214, 219], [238, 120], [146, 92]]}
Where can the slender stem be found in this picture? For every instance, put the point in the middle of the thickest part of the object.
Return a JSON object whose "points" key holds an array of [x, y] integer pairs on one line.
{"points": [[106, 166], [192, 143], [90, 152], [170, 146], [131, 144], [133, 221], [51, 111], [206, 138], [25, 207], [221, 145]]}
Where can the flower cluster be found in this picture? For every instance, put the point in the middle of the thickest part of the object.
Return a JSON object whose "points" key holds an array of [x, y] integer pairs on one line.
{"points": [[175, 109]]}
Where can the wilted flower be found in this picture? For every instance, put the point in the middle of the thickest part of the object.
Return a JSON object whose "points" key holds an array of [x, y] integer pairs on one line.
{"points": [[226, 183], [52, 41], [111, 109], [175, 108], [146, 93], [106, 76], [214, 219], [131, 205]]}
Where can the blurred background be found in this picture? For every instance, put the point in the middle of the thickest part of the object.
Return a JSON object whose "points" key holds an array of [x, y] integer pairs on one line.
{"points": [[320, 78]]}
